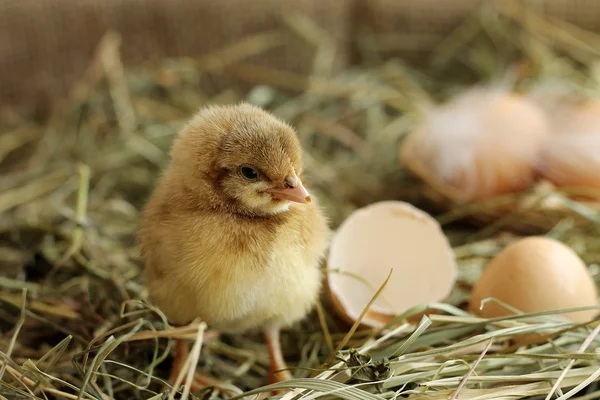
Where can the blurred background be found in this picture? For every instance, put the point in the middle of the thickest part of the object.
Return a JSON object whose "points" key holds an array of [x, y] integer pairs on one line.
{"points": [[343, 72], [50, 44], [92, 93]]}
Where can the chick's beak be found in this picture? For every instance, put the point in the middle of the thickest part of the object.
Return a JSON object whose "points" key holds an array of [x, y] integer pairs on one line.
{"points": [[294, 192]]}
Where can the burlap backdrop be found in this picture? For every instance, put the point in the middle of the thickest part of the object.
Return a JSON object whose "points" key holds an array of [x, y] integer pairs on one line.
{"points": [[46, 44]]}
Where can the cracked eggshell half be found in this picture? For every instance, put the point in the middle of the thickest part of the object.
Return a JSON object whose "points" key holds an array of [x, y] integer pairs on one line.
{"points": [[380, 237]]}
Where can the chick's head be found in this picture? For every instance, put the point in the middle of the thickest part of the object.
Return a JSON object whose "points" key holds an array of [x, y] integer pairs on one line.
{"points": [[241, 158]]}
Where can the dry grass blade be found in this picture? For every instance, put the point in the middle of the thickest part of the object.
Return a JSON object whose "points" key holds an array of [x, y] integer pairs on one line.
{"points": [[80, 213], [357, 323], [24, 194], [240, 50], [190, 364], [583, 347], [11, 141], [28, 383], [423, 325], [111, 59], [18, 327], [323, 323], [342, 391], [466, 377]]}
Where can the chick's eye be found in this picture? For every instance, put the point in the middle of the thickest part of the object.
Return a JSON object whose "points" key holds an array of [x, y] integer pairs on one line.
{"points": [[249, 173]]}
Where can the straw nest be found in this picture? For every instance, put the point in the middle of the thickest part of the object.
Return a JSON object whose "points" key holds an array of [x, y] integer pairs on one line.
{"points": [[74, 318]]}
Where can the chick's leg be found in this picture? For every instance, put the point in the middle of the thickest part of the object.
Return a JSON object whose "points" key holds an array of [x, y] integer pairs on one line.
{"points": [[181, 354], [278, 370]]}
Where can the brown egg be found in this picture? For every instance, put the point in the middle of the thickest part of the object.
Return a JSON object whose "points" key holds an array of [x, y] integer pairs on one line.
{"points": [[536, 274], [570, 156], [380, 237], [479, 145]]}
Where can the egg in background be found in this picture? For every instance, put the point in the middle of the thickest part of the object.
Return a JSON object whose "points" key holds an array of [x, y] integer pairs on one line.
{"points": [[570, 155], [481, 144]]}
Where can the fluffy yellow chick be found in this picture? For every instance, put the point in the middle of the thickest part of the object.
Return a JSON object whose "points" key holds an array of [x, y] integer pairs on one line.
{"points": [[230, 234]]}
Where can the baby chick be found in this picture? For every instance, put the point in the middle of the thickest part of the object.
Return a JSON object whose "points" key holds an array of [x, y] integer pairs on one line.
{"points": [[230, 234]]}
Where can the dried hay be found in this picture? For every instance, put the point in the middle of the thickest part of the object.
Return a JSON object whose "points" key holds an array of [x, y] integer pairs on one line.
{"points": [[74, 320]]}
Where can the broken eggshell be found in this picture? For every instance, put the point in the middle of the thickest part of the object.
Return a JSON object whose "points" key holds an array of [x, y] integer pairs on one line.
{"points": [[380, 237], [570, 156], [481, 144]]}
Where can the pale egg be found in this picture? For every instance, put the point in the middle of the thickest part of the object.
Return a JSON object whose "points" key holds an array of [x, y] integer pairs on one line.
{"points": [[376, 239]]}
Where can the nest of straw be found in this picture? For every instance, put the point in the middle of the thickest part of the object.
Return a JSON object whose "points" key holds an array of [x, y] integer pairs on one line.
{"points": [[74, 318]]}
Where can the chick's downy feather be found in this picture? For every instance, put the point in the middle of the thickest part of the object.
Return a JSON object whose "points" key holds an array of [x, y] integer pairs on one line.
{"points": [[216, 245]]}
